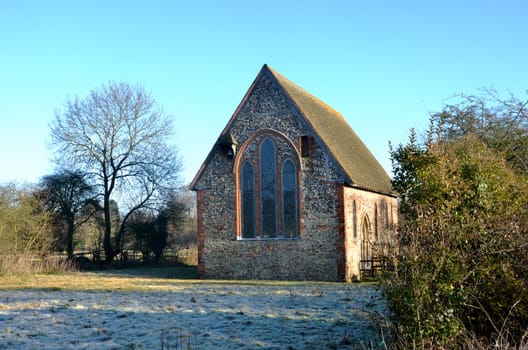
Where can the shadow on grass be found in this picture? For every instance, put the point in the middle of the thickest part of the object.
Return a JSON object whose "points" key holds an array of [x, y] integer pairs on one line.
{"points": [[171, 272]]}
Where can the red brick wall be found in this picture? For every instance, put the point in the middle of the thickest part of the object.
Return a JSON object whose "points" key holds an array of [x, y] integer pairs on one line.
{"points": [[341, 246], [371, 205], [200, 231]]}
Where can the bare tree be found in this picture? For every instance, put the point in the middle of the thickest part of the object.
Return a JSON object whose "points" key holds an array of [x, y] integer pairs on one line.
{"points": [[501, 123], [121, 138]]}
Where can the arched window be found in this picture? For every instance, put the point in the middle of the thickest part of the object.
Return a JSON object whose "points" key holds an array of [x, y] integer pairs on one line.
{"points": [[354, 218], [289, 199], [248, 200], [268, 189], [366, 252], [376, 223]]}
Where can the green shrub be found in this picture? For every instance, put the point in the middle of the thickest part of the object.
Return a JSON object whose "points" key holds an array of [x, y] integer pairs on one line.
{"points": [[463, 251]]}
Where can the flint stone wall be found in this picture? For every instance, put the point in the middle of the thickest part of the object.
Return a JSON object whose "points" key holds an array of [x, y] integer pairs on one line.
{"points": [[320, 251]]}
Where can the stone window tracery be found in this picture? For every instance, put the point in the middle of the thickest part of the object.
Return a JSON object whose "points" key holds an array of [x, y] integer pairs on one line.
{"points": [[268, 195]]}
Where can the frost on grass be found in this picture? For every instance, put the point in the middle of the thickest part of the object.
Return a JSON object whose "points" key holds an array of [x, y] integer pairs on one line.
{"points": [[195, 316]]}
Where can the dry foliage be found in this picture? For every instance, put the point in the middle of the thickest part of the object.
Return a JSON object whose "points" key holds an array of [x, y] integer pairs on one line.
{"points": [[26, 263]]}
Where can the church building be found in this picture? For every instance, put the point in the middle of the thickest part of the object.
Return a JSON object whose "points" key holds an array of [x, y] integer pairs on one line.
{"points": [[290, 192]]}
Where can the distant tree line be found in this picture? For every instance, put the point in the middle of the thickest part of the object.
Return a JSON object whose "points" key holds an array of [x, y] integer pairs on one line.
{"points": [[462, 274], [117, 184]]}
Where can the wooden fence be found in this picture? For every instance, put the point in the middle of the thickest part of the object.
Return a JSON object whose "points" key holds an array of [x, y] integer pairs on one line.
{"points": [[371, 267], [169, 256]]}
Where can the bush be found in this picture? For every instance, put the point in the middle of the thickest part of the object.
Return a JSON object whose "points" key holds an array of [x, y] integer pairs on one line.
{"points": [[463, 251], [188, 256], [25, 233], [25, 226]]}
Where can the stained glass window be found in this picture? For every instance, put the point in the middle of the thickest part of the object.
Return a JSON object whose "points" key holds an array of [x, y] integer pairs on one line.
{"points": [[248, 200], [268, 189], [289, 199]]}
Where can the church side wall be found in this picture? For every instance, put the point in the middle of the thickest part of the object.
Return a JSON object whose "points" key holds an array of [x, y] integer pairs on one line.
{"points": [[381, 213]]}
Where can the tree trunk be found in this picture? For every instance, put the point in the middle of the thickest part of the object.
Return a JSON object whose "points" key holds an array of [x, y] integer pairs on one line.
{"points": [[107, 242], [69, 236]]}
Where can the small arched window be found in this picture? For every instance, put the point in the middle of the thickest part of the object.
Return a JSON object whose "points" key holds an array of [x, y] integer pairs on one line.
{"points": [[248, 200], [354, 218], [376, 223], [289, 199]]}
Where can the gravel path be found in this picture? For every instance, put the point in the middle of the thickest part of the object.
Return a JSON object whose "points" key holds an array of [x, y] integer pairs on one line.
{"points": [[194, 316]]}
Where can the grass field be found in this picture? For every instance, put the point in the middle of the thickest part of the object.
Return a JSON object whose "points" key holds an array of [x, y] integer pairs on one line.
{"points": [[139, 279], [164, 308]]}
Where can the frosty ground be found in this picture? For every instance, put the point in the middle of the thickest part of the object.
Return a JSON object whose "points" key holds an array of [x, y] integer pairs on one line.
{"points": [[171, 314]]}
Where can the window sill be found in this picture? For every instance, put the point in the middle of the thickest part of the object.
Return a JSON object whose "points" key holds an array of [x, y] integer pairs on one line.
{"points": [[268, 239]]}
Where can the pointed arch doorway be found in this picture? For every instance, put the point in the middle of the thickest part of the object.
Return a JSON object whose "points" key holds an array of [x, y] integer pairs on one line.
{"points": [[366, 248]]}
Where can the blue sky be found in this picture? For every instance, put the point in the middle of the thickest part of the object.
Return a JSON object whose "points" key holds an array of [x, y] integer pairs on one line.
{"points": [[383, 64]]}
